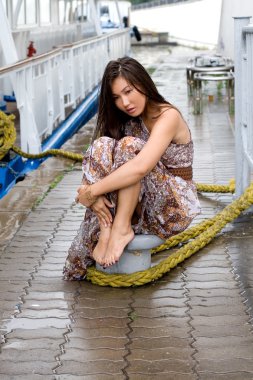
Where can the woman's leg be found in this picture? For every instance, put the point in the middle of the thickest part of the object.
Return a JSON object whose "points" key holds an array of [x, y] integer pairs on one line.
{"points": [[122, 232]]}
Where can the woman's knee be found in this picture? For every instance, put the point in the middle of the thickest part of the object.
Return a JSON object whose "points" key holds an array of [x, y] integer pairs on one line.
{"points": [[103, 141], [130, 142]]}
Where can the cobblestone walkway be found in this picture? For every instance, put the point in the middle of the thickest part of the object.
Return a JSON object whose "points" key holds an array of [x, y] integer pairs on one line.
{"points": [[194, 323]]}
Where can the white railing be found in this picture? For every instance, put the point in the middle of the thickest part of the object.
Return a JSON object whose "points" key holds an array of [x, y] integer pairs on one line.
{"points": [[47, 85], [243, 102]]}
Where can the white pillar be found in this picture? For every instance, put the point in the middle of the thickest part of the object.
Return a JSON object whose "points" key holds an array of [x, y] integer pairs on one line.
{"points": [[241, 171], [95, 18], [119, 14], [8, 47]]}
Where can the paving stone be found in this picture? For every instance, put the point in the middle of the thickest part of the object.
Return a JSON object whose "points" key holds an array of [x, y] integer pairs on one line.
{"points": [[26, 377], [226, 365], [212, 285], [222, 330], [182, 353], [94, 344], [163, 376], [36, 367], [84, 303], [51, 285], [35, 323], [161, 331], [21, 345], [98, 323], [173, 322], [232, 320], [40, 305], [210, 277], [218, 310], [63, 376], [240, 375], [34, 354], [159, 342], [160, 302], [230, 341], [225, 352], [159, 366], [215, 301], [92, 367], [86, 355], [214, 292], [143, 293], [89, 333], [161, 312], [203, 271]]}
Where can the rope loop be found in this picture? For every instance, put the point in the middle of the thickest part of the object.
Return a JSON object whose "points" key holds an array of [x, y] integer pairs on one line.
{"points": [[7, 133]]}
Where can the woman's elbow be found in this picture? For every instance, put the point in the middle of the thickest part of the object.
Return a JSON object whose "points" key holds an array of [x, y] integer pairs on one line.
{"points": [[143, 170]]}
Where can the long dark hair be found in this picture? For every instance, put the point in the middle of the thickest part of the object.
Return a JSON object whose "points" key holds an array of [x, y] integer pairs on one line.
{"points": [[111, 120]]}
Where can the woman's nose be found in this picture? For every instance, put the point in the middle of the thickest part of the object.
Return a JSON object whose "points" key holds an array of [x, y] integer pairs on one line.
{"points": [[125, 101]]}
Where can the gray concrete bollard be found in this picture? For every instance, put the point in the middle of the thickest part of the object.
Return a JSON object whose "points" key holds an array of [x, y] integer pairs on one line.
{"points": [[136, 256]]}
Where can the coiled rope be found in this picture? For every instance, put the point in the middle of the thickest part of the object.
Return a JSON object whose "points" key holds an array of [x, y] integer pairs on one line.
{"points": [[8, 138], [198, 236]]}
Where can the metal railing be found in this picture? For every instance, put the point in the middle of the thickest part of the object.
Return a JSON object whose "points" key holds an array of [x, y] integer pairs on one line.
{"points": [[243, 102], [47, 85], [156, 3]]}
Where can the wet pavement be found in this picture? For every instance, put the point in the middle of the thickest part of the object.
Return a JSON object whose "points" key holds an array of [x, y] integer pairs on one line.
{"points": [[194, 323]]}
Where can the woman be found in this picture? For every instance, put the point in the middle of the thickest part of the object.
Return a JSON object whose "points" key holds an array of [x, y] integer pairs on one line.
{"points": [[137, 173]]}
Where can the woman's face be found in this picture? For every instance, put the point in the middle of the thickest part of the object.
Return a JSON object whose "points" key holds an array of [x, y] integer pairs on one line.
{"points": [[127, 98]]}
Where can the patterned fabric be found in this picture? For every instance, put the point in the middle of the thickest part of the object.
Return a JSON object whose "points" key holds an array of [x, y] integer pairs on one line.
{"points": [[168, 203]]}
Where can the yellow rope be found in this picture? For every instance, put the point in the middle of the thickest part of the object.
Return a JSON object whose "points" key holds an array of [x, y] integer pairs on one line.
{"points": [[202, 235], [7, 133], [198, 236], [8, 137]]}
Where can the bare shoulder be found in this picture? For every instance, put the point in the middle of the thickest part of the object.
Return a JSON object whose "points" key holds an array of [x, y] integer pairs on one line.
{"points": [[169, 117], [171, 113]]}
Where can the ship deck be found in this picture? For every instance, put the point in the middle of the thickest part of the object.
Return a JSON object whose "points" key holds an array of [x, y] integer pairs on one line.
{"points": [[193, 323]]}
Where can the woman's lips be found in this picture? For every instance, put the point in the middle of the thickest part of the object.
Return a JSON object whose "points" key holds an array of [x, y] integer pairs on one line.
{"points": [[130, 110]]}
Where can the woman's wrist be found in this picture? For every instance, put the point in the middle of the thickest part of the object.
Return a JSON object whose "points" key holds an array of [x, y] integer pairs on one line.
{"points": [[91, 197]]}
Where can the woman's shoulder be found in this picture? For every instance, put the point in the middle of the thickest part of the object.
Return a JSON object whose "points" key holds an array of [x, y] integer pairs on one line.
{"points": [[168, 116], [170, 112]]}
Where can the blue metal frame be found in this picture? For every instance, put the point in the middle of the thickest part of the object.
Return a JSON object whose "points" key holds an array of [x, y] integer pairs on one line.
{"points": [[13, 171]]}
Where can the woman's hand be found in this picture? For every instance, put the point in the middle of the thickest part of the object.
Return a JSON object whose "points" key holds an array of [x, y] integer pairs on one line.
{"points": [[100, 205], [101, 209], [85, 196]]}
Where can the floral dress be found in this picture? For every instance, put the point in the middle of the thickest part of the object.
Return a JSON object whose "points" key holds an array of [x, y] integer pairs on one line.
{"points": [[168, 203]]}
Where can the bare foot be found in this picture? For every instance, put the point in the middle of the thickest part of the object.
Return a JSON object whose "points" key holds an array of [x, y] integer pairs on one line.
{"points": [[117, 242], [100, 249]]}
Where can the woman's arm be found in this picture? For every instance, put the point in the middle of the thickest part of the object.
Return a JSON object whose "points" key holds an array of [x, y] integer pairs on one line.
{"points": [[134, 170]]}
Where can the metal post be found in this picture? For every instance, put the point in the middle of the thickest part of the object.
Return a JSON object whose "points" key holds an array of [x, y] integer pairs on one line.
{"points": [[239, 47], [95, 18], [119, 13]]}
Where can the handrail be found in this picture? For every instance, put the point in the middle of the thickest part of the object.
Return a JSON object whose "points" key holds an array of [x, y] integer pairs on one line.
{"points": [[58, 50], [156, 3], [48, 86], [27, 61]]}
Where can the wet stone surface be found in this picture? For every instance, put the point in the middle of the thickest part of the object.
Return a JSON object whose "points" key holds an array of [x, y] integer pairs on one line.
{"points": [[194, 323]]}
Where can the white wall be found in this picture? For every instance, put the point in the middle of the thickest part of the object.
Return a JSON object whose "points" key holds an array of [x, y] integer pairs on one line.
{"points": [[230, 9], [191, 21]]}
